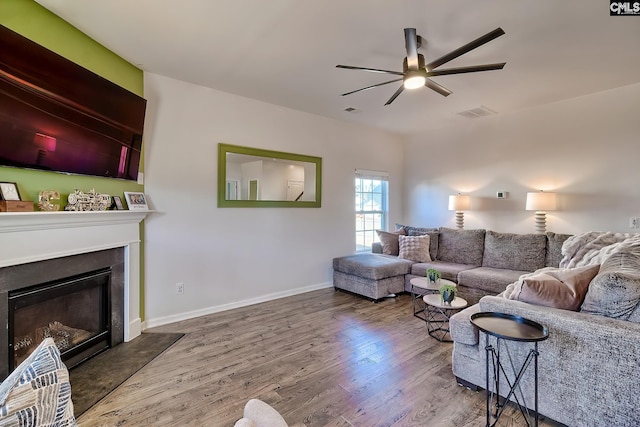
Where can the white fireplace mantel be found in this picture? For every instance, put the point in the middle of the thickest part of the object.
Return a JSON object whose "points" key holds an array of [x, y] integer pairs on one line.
{"points": [[36, 236]]}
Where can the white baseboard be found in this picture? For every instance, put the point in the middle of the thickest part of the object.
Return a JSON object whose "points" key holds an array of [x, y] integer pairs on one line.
{"points": [[152, 323], [135, 329]]}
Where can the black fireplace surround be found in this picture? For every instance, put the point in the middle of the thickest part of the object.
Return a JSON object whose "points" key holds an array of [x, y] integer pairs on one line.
{"points": [[20, 277]]}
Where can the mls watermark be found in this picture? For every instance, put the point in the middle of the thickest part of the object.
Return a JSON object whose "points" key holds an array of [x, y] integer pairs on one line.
{"points": [[621, 8]]}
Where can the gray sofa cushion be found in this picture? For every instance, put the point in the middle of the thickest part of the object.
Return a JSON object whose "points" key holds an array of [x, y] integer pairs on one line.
{"points": [[461, 246], [615, 291], [449, 270], [416, 231], [554, 248], [494, 280], [372, 266], [420, 231], [524, 252]]}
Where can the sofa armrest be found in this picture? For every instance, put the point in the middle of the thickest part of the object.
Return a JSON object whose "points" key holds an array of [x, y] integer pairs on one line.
{"points": [[461, 328], [585, 358], [588, 326]]}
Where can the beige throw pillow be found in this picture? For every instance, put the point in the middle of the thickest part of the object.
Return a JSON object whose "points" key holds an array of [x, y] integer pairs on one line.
{"points": [[389, 241], [554, 287], [414, 248]]}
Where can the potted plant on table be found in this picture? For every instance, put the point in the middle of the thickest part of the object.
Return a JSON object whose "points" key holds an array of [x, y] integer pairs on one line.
{"points": [[447, 293], [433, 275]]}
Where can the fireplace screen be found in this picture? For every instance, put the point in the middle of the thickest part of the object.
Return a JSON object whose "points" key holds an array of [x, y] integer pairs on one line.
{"points": [[72, 311]]}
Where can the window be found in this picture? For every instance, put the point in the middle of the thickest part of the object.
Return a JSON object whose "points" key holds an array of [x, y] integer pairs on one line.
{"points": [[371, 207]]}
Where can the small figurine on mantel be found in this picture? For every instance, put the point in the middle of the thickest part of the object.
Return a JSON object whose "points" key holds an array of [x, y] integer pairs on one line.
{"points": [[89, 201], [44, 200]]}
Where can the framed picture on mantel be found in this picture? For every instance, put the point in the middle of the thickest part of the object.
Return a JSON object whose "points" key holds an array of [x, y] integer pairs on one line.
{"points": [[9, 191], [136, 201]]}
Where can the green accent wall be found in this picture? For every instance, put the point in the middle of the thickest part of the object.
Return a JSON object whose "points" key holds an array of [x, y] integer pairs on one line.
{"points": [[33, 21]]}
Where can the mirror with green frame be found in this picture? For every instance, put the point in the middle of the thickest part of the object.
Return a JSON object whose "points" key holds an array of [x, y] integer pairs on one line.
{"points": [[255, 178]]}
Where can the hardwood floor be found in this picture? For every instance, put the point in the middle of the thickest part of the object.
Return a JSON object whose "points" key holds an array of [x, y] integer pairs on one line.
{"points": [[322, 358]]}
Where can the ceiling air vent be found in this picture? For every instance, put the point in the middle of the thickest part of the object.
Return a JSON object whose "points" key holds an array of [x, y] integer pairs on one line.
{"points": [[480, 111]]}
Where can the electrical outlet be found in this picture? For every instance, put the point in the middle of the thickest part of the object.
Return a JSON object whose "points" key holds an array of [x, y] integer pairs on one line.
{"points": [[634, 222], [180, 288]]}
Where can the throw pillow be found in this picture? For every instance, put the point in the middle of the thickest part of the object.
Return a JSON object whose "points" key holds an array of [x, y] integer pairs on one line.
{"points": [[389, 241], [414, 248], [554, 287], [615, 291], [420, 231], [38, 392]]}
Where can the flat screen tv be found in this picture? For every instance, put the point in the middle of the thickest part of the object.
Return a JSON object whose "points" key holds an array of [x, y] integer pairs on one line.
{"points": [[56, 115]]}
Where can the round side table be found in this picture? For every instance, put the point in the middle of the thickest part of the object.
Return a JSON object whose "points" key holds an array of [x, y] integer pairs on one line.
{"points": [[421, 286], [507, 327], [437, 314]]}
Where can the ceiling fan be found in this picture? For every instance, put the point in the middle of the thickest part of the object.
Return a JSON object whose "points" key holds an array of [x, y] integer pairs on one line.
{"points": [[416, 73]]}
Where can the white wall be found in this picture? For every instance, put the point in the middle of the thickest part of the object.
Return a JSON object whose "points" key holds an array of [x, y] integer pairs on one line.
{"points": [[229, 257], [586, 149]]}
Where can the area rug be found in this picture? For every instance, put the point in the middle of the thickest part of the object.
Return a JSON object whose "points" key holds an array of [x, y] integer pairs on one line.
{"points": [[100, 375]]}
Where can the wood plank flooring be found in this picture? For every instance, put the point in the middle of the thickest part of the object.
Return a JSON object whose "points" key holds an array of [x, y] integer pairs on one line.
{"points": [[322, 358]]}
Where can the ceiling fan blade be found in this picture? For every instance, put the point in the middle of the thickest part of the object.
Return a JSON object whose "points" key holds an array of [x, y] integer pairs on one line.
{"points": [[466, 48], [395, 95], [373, 70], [411, 43], [438, 88], [370, 87], [471, 69]]}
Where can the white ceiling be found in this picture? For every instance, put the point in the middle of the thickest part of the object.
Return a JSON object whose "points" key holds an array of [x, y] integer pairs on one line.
{"points": [[284, 52]]}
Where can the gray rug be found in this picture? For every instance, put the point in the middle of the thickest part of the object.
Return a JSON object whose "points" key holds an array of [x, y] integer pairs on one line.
{"points": [[100, 375]]}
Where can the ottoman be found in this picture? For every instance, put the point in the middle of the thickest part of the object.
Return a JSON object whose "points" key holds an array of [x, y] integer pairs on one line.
{"points": [[374, 276]]}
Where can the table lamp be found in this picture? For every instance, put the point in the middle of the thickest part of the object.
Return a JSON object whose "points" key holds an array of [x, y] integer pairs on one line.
{"points": [[541, 202], [459, 203]]}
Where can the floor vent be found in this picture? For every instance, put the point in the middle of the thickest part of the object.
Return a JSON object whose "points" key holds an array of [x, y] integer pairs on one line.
{"points": [[480, 111]]}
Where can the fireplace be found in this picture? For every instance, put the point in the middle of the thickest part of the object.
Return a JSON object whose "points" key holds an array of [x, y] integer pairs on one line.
{"points": [[74, 311], [77, 300], [44, 247]]}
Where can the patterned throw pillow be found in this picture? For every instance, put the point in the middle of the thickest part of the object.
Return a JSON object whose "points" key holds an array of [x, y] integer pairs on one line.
{"points": [[389, 241], [38, 392], [421, 231], [414, 248], [615, 291]]}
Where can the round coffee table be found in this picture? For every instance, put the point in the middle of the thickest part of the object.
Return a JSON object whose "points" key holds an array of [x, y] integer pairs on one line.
{"points": [[421, 286], [438, 313]]}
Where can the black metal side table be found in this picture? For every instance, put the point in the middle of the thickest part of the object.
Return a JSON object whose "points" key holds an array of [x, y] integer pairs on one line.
{"points": [[507, 327]]}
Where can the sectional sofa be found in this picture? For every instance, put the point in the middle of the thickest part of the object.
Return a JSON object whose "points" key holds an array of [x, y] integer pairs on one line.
{"points": [[589, 367], [481, 262]]}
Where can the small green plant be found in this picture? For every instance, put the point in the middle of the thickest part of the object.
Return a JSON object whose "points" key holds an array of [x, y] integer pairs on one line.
{"points": [[433, 275], [448, 292]]}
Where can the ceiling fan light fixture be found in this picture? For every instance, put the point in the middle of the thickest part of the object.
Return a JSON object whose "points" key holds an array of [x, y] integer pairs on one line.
{"points": [[417, 74], [414, 79]]}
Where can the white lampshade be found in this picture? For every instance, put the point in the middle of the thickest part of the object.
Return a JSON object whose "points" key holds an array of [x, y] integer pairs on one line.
{"points": [[459, 203], [541, 201]]}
